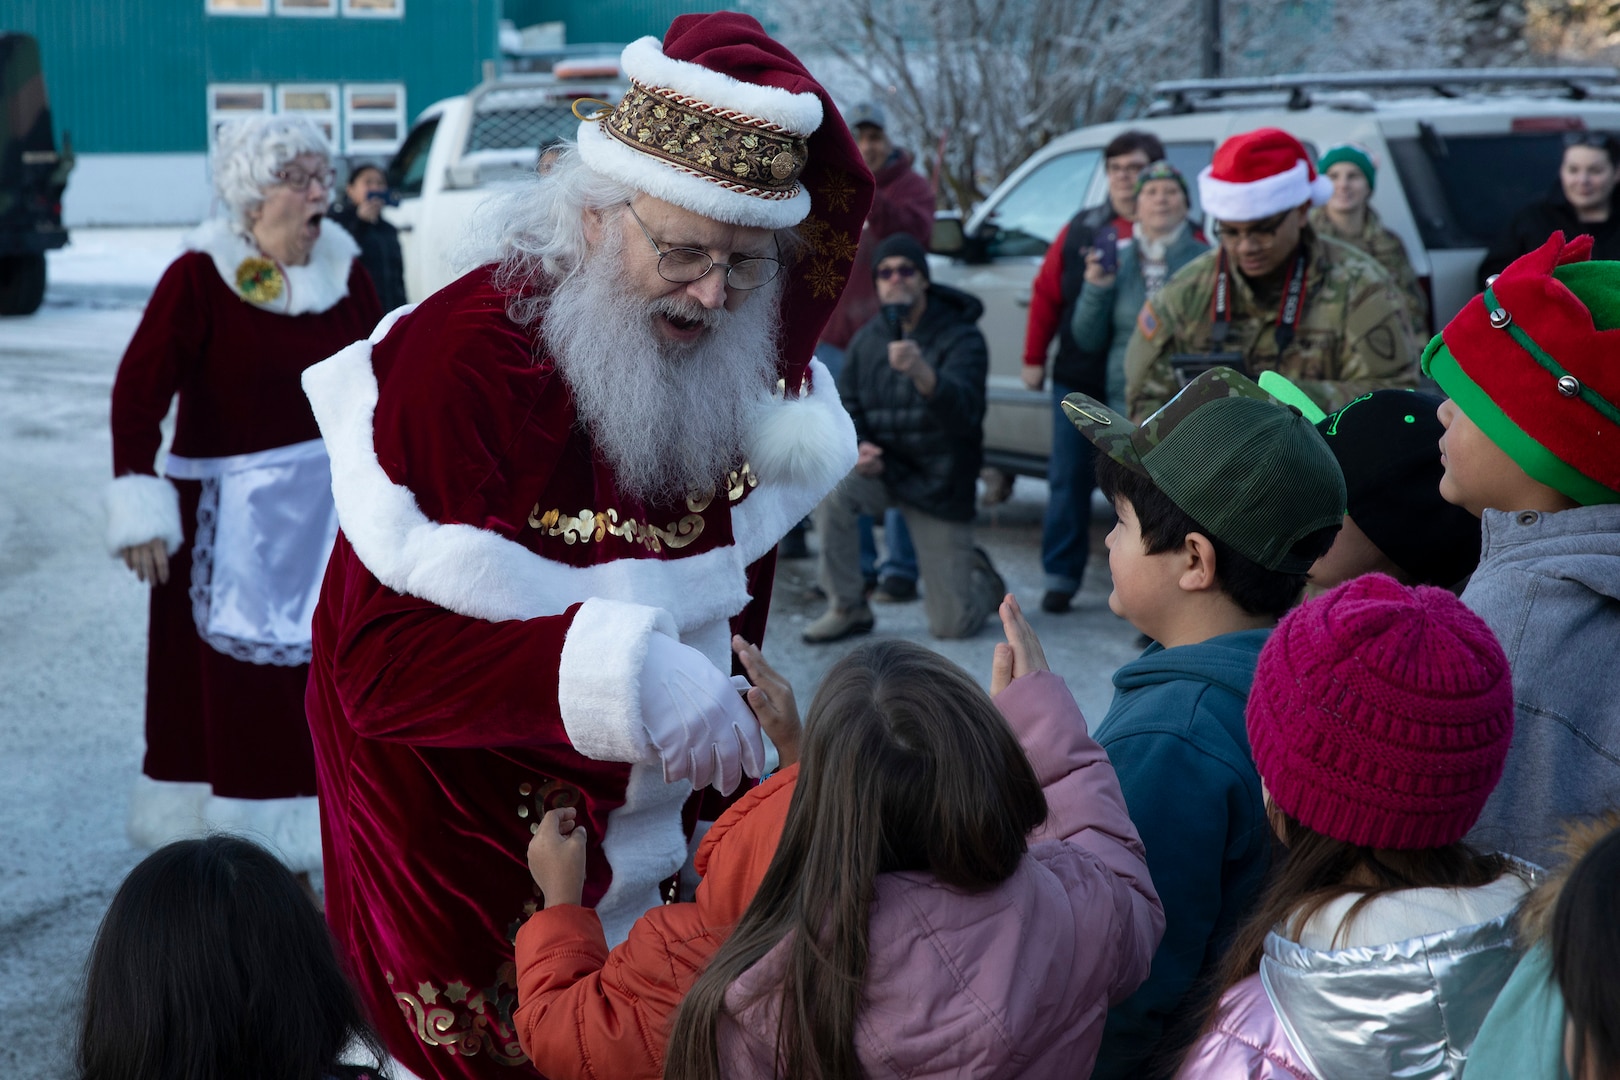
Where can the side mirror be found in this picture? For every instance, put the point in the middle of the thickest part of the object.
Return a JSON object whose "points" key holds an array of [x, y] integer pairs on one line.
{"points": [[462, 175], [948, 237]]}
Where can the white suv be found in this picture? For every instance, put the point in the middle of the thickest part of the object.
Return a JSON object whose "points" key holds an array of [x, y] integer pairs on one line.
{"points": [[1453, 169]]}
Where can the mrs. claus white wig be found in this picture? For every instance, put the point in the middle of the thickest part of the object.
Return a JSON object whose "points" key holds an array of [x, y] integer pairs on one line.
{"points": [[248, 153]]}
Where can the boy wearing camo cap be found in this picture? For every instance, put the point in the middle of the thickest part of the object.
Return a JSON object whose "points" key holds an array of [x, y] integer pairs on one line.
{"points": [[1225, 499]]}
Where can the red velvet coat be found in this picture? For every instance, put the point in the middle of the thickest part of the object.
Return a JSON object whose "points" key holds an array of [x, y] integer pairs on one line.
{"points": [[477, 652], [237, 728]]}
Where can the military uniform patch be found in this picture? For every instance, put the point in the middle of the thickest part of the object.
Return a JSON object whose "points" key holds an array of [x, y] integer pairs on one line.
{"points": [[1147, 322]]}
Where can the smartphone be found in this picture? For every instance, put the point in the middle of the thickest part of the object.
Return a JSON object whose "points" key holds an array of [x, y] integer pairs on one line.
{"points": [[1106, 241]]}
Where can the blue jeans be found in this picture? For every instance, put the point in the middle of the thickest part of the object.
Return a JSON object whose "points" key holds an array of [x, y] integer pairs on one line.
{"points": [[1070, 475], [900, 558]]}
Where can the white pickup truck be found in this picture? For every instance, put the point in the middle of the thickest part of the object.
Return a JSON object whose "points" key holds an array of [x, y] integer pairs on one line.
{"points": [[462, 149]]}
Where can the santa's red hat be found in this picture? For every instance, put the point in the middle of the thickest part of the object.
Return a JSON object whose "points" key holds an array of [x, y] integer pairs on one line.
{"points": [[1533, 363], [1258, 174], [724, 121]]}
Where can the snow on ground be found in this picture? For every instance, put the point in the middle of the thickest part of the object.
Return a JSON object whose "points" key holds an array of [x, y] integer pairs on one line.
{"points": [[72, 640]]}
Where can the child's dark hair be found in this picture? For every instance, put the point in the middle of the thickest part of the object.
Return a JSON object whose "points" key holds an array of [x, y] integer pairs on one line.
{"points": [[1585, 956], [1165, 526], [907, 765], [211, 962]]}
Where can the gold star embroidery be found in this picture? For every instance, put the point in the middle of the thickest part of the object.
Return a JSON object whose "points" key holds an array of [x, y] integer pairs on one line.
{"points": [[825, 282], [457, 991], [837, 191], [427, 993], [811, 231], [839, 245]]}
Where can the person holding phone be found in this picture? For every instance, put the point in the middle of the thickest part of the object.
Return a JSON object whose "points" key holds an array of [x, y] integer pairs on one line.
{"points": [[1273, 295], [1122, 276], [1066, 529]]}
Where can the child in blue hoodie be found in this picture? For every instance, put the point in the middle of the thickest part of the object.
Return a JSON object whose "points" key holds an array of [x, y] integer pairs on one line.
{"points": [[1225, 499]]}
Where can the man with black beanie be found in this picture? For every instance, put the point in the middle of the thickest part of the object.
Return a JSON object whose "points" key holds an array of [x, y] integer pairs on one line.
{"points": [[913, 382]]}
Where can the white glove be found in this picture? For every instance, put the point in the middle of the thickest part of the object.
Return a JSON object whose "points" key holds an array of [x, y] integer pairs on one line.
{"points": [[694, 716]]}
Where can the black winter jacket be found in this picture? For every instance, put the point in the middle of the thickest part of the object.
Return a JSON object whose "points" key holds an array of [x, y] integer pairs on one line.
{"points": [[1532, 225], [379, 254], [932, 447], [1074, 367]]}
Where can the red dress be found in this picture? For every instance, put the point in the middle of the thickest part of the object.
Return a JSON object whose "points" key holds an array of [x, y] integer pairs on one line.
{"points": [[227, 744], [477, 651]]}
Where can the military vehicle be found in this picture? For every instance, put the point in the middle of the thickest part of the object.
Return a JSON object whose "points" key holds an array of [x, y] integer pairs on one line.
{"points": [[33, 176]]}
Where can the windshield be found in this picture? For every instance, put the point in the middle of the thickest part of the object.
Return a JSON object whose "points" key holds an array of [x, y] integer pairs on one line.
{"points": [[409, 166], [1029, 217]]}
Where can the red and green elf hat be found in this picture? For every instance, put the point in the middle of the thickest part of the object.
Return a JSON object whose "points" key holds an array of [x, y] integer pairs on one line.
{"points": [[1534, 362]]}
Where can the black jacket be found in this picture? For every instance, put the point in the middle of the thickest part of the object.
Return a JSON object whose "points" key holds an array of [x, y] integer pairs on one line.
{"points": [[1532, 225], [379, 254], [932, 447], [1073, 366]]}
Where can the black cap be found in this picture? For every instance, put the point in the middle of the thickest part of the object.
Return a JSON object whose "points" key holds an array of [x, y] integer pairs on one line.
{"points": [[905, 246], [1387, 444]]}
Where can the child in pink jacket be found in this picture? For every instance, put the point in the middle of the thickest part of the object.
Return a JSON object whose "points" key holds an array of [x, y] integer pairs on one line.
{"points": [[958, 889]]}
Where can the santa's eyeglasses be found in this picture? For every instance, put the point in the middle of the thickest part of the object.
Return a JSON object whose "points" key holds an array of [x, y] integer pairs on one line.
{"points": [[684, 265]]}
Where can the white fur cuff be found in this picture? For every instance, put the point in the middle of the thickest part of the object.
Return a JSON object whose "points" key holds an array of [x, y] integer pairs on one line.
{"points": [[142, 508], [599, 678]]}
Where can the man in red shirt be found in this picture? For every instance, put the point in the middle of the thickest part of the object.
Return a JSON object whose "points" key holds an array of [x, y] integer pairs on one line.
{"points": [[1066, 532]]}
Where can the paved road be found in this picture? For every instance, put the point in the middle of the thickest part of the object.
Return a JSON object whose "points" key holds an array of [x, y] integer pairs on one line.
{"points": [[72, 639]]}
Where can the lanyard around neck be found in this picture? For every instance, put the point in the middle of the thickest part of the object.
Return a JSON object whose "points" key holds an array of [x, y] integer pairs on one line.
{"points": [[1289, 312]]}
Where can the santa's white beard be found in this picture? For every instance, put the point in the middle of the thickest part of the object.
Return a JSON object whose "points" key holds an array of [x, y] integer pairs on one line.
{"points": [[671, 418]]}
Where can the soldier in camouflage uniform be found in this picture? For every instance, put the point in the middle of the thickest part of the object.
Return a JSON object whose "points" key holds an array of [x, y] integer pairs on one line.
{"points": [[1314, 309], [1348, 217]]}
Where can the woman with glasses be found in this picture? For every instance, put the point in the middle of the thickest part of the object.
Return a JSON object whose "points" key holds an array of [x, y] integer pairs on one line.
{"points": [[233, 527], [1581, 205]]}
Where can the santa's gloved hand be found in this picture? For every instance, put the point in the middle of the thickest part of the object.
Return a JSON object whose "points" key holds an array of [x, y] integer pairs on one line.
{"points": [[694, 716]]}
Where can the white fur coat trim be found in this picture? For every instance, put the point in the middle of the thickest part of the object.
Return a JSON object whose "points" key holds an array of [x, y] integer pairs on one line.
{"points": [[162, 811], [599, 678], [645, 845], [311, 289], [141, 508], [806, 446], [674, 184], [644, 61]]}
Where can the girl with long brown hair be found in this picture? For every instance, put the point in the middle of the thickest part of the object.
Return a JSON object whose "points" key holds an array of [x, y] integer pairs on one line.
{"points": [[957, 890], [1379, 719]]}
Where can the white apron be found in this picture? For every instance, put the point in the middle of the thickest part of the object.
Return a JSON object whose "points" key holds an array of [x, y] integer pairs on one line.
{"points": [[265, 528]]}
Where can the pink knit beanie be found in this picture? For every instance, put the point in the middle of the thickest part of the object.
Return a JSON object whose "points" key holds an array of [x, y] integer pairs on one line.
{"points": [[1381, 714]]}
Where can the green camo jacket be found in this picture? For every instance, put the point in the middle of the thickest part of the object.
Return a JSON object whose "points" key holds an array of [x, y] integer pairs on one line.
{"points": [[1354, 335], [1386, 249]]}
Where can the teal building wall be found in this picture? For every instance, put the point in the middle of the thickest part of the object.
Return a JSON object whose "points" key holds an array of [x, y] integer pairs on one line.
{"points": [[131, 76], [618, 20]]}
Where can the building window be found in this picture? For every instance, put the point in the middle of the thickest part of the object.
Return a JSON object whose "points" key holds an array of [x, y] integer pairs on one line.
{"points": [[227, 101], [236, 7], [373, 118], [297, 8], [318, 101], [374, 9]]}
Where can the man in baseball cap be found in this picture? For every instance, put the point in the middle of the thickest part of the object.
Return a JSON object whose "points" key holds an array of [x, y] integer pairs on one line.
{"points": [[1225, 499], [1273, 295]]}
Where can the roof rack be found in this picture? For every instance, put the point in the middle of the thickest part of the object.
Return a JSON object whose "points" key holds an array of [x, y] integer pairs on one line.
{"points": [[1190, 95]]}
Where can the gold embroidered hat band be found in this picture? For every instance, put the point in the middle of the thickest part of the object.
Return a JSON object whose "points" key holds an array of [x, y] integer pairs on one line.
{"points": [[742, 153], [703, 139]]}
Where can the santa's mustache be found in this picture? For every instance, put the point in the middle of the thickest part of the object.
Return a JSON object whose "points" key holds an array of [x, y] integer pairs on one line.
{"points": [[689, 311]]}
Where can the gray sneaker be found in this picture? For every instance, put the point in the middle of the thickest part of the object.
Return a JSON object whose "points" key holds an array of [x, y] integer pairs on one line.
{"points": [[836, 625]]}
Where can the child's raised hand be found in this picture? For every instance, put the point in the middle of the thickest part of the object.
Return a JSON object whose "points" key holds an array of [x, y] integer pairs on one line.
{"points": [[557, 856], [771, 699], [1020, 654]]}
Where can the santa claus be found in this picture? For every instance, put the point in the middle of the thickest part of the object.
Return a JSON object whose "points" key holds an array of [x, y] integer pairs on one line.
{"points": [[560, 482]]}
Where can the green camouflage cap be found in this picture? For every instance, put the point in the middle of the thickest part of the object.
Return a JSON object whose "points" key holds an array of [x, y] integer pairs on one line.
{"points": [[1251, 472]]}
